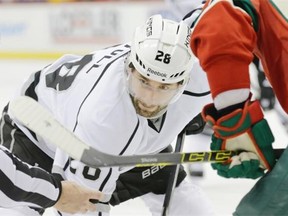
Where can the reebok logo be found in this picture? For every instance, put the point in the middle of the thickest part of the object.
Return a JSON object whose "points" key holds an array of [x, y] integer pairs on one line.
{"points": [[157, 73]]}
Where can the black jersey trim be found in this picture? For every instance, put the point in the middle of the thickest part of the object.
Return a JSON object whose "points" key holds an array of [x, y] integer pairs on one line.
{"points": [[151, 124], [105, 180], [100, 77], [30, 91], [131, 138]]}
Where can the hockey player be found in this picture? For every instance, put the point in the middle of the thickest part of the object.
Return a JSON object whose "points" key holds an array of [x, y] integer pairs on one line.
{"points": [[124, 100], [23, 185], [224, 38]]}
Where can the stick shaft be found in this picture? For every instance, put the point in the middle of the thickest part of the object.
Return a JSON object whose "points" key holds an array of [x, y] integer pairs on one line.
{"points": [[35, 117], [174, 174]]}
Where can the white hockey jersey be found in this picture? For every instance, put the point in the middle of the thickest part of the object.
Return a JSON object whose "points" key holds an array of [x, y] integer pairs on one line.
{"points": [[88, 95]]}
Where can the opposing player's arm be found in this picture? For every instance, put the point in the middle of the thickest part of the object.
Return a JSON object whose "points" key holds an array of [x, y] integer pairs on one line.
{"points": [[22, 184], [226, 62]]}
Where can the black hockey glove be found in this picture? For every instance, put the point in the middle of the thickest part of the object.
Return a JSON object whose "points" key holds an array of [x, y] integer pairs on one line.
{"points": [[196, 125]]}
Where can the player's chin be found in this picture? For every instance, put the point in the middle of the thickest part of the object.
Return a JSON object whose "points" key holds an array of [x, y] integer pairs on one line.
{"points": [[150, 113], [145, 113]]}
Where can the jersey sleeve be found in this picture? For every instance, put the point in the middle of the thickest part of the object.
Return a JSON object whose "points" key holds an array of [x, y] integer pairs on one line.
{"points": [[223, 39], [24, 185]]}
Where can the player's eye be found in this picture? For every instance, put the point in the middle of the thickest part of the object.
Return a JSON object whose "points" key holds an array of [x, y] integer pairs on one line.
{"points": [[143, 81], [164, 87]]}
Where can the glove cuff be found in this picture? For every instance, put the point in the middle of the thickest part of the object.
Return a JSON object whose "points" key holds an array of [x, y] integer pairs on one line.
{"points": [[234, 123]]}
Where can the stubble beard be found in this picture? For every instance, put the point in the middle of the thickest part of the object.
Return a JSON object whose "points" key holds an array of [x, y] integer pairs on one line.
{"points": [[145, 112]]}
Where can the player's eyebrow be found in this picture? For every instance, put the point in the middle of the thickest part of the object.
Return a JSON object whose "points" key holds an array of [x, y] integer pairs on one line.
{"points": [[147, 79], [142, 77]]}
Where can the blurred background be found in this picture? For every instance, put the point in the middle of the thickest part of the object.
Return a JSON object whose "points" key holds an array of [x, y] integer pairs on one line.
{"points": [[34, 33], [47, 29]]}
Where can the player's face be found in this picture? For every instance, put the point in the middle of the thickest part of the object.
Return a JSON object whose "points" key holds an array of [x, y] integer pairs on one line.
{"points": [[150, 97]]}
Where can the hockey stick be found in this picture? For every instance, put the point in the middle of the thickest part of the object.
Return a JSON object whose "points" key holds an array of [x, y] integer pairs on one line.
{"points": [[173, 174], [35, 117]]}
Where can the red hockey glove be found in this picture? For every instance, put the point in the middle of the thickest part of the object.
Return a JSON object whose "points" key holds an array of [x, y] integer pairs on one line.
{"points": [[244, 130]]}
